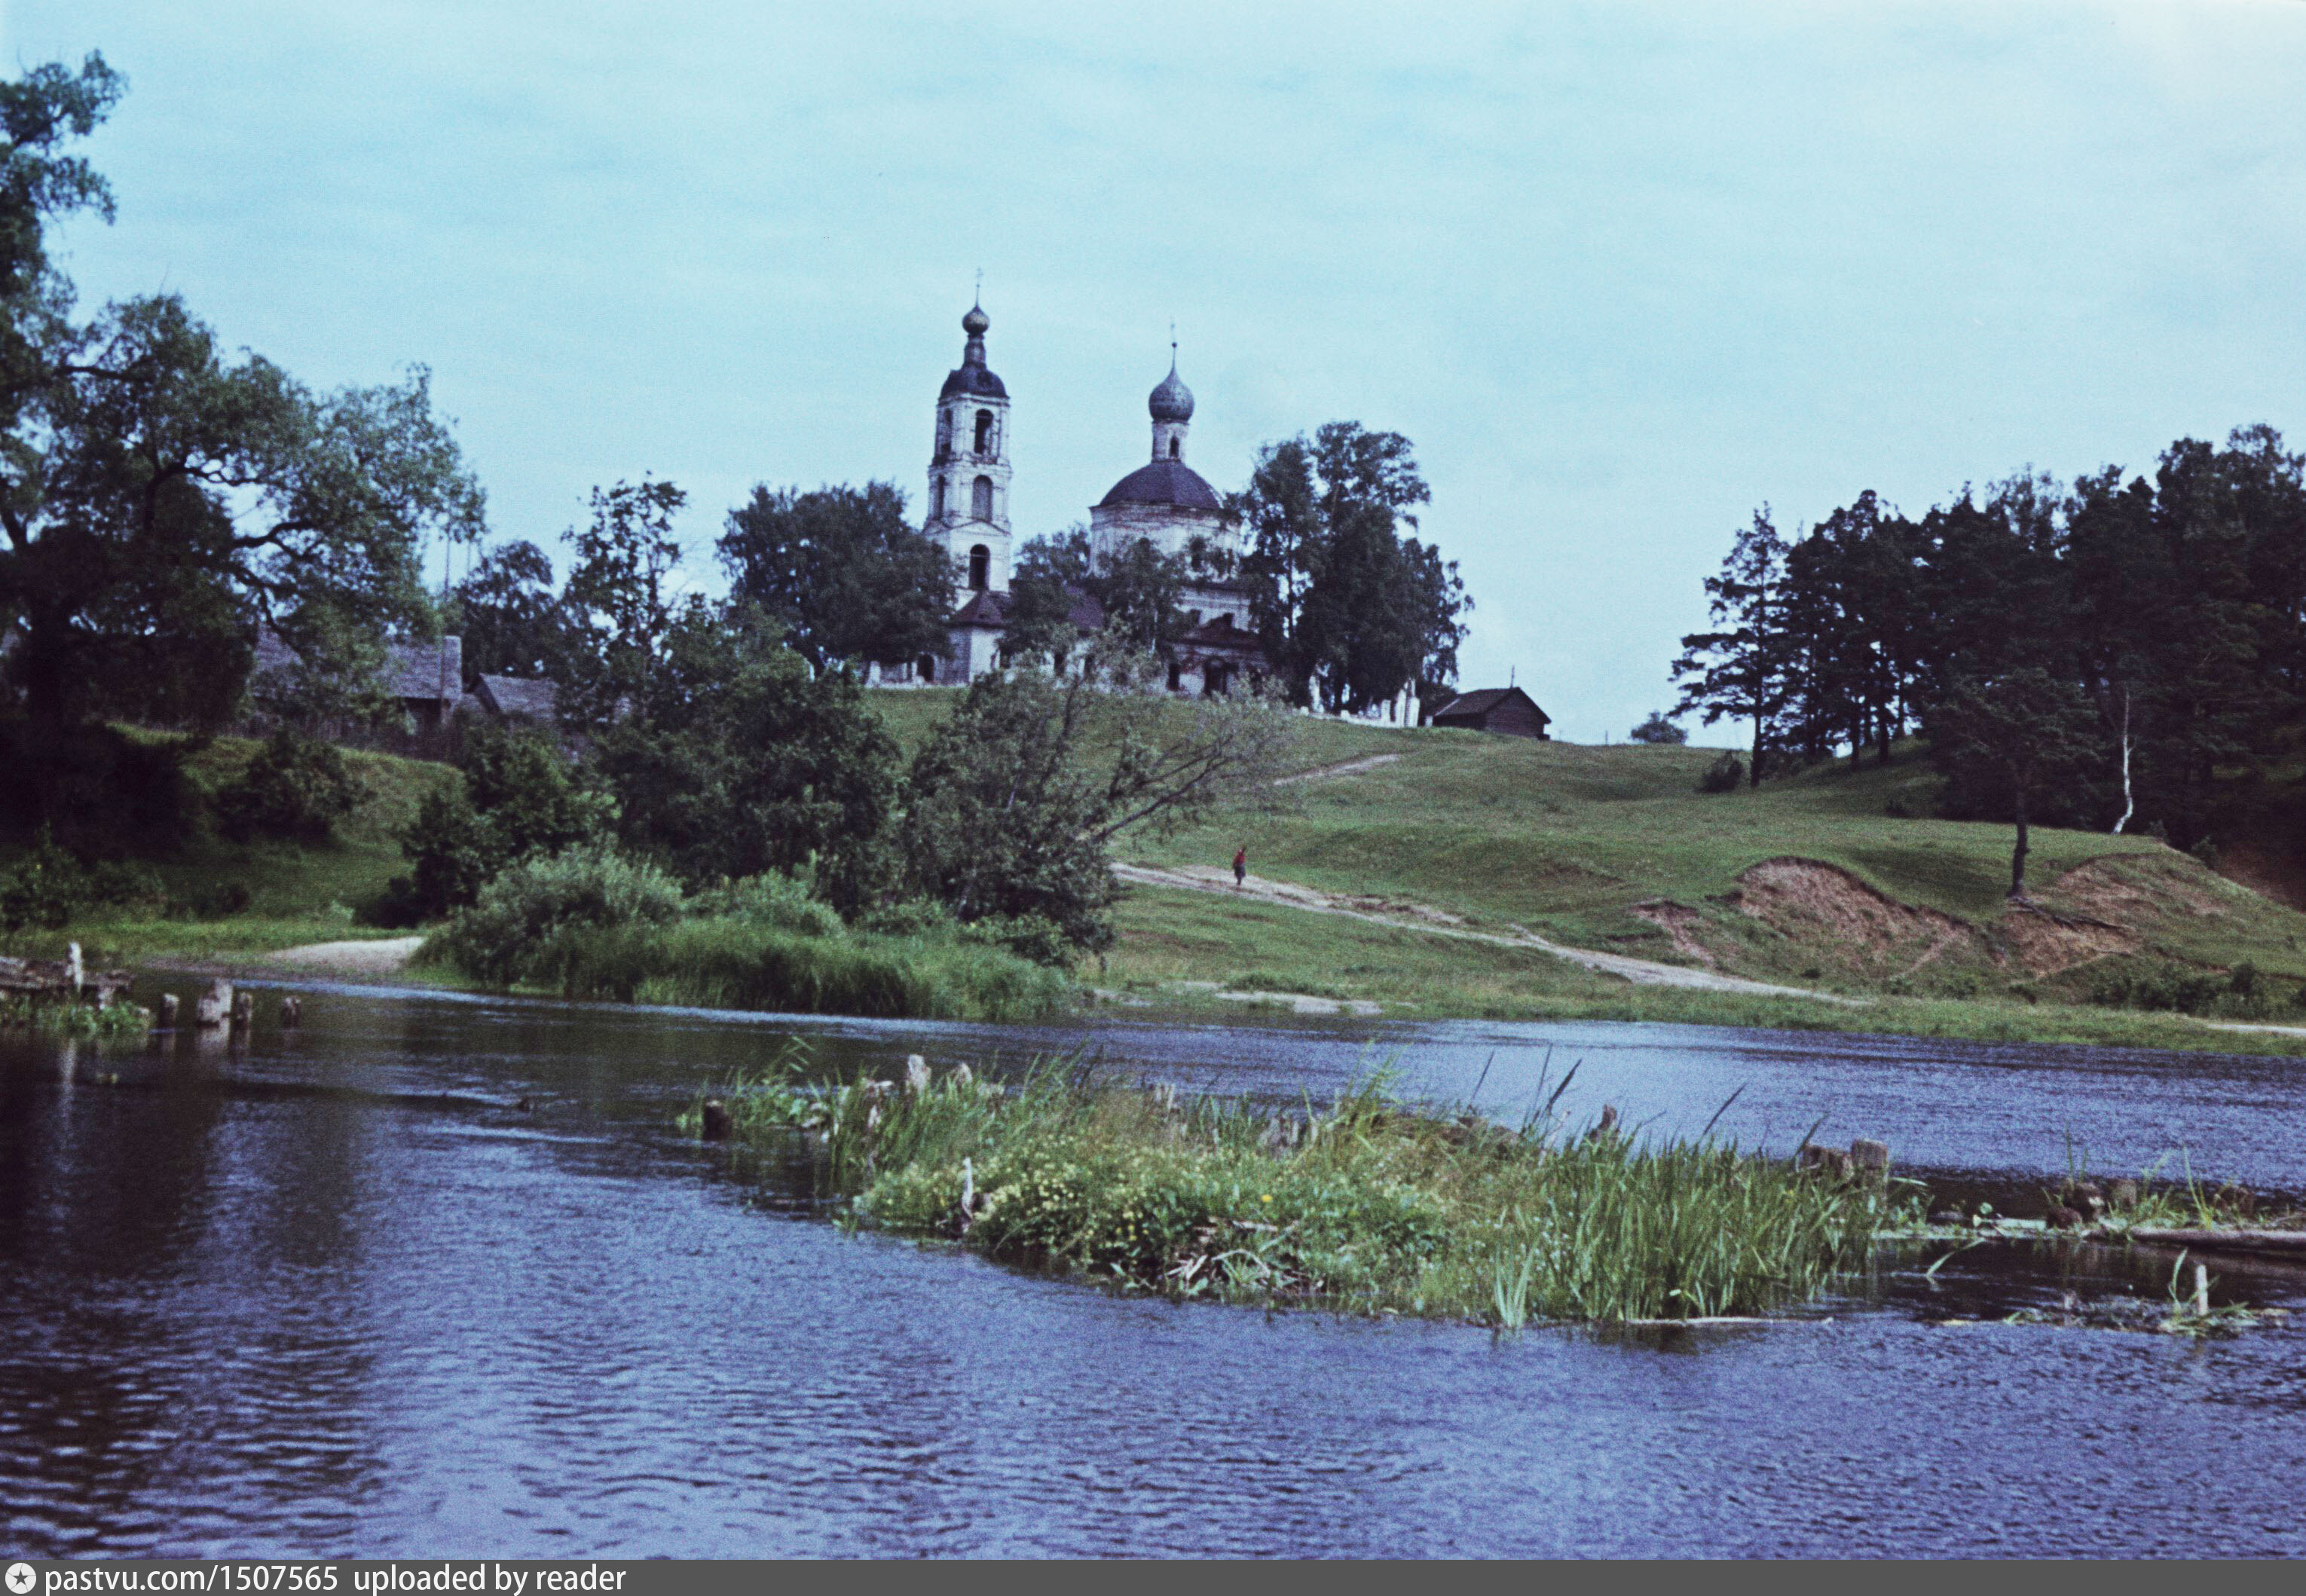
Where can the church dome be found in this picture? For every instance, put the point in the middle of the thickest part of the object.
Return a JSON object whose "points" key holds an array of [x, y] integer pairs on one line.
{"points": [[1173, 401], [973, 377], [975, 323], [1171, 483]]}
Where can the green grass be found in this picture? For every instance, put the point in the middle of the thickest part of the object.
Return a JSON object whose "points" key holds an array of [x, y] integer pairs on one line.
{"points": [[297, 894], [725, 963], [1370, 1204]]}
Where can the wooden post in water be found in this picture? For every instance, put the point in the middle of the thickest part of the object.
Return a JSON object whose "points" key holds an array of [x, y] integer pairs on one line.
{"points": [[716, 1126], [2201, 1291], [1870, 1159], [243, 1010], [215, 1005], [75, 972], [169, 1004], [292, 1012]]}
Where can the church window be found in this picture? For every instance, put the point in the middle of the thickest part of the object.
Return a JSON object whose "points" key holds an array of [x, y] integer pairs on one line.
{"points": [[983, 432], [980, 498], [926, 666], [1174, 449], [1215, 678], [980, 566], [936, 499]]}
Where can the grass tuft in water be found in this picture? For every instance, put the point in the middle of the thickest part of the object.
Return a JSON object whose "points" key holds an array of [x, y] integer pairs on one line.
{"points": [[1372, 1204]]}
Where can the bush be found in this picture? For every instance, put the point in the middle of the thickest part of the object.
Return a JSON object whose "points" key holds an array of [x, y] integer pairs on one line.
{"points": [[1033, 937], [739, 964], [769, 899], [908, 917], [43, 889], [1657, 728], [296, 787], [519, 799], [500, 937], [1723, 775]]}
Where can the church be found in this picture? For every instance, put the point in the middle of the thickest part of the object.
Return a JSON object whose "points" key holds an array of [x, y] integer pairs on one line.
{"points": [[1164, 503]]}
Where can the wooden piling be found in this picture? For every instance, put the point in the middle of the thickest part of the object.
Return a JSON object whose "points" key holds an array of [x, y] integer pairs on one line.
{"points": [[169, 1005], [243, 1010], [1870, 1158], [215, 1006], [716, 1126], [292, 1012]]}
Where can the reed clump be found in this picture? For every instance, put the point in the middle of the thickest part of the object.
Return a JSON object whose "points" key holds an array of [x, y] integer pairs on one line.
{"points": [[1370, 1204]]}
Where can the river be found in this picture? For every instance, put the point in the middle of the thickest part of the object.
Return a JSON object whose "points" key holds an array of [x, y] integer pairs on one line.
{"points": [[435, 1274]]}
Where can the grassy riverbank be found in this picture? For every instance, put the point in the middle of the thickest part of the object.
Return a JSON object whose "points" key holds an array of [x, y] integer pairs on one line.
{"points": [[720, 963], [1367, 1206]]}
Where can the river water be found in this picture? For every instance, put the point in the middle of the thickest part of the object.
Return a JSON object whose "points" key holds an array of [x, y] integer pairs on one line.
{"points": [[341, 1290]]}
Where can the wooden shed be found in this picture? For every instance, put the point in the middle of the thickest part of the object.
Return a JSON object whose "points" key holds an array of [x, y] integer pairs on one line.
{"points": [[1507, 712]]}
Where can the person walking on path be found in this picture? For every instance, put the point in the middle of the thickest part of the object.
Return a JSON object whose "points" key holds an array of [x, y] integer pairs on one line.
{"points": [[1239, 866]]}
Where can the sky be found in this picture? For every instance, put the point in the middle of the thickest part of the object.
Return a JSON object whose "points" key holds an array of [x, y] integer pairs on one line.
{"points": [[1621, 273]]}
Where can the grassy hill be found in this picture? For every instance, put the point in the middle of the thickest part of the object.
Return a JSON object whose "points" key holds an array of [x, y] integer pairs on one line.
{"points": [[1833, 880]]}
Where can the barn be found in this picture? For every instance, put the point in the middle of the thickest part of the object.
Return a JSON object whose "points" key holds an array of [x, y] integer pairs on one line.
{"points": [[1507, 712]]}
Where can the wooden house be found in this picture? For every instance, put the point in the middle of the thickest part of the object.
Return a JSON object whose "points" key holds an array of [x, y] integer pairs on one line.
{"points": [[1507, 712]]}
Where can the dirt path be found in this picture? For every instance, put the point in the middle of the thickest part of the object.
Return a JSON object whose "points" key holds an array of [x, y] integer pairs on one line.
{"points": [[1351, 767], [1434, 922], [374, 956]]}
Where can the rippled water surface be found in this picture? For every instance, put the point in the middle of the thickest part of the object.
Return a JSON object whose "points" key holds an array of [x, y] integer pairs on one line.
{"points": [[339, 1292]]}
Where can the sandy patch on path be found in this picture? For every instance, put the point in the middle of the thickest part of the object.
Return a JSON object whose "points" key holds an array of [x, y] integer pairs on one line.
{"points": [[1434, 922], [382, 956], [1351, 767]]}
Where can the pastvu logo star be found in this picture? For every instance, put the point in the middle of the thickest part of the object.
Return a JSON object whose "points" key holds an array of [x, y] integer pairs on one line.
{"points": [[20, 1578]]}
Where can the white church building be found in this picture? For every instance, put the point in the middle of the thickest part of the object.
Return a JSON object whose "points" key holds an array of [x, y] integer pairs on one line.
{"points": [[1164, 503]]}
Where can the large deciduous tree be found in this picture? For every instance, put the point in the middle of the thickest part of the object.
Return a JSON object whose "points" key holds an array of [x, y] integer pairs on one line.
{"points": [[508, 615], [160, 501], [840, 570], [1351, 611]]}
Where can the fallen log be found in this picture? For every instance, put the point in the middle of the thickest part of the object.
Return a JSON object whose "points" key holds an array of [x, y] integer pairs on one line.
{"points": [[2291, 1243]]}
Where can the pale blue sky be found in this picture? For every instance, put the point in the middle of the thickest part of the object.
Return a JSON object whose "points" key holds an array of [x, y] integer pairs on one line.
{"points": [[1621, 273]]}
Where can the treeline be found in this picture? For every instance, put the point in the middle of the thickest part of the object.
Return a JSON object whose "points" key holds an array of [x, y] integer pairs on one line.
{"points": [[2121, 652]]}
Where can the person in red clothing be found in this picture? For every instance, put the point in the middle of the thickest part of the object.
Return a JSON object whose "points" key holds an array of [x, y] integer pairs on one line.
{"points": [[1239, 866]]}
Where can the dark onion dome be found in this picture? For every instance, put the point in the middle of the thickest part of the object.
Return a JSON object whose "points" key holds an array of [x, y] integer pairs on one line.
{"points": [[971, 377], [1164, 482], [1173, 401]]}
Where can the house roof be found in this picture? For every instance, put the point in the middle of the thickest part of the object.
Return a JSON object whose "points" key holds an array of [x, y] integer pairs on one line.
{"points": [[1484, 700], [429, 672], [514, 695], [991, 610]]}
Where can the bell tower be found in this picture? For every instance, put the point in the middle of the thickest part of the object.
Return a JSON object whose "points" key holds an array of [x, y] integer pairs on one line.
{"points": [[968, 508]]}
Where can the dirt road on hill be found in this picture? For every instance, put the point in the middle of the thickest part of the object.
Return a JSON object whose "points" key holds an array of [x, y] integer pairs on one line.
{"points": [[1434, 922]]}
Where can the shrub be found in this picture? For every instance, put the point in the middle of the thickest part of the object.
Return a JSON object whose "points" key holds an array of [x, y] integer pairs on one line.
{"points": [[1723, 775], [1034, 937], [1657, 728], [518, 914], [519, 799], [908, 917], [296, 787], [43, 889], [738, 964], [769, 899]]}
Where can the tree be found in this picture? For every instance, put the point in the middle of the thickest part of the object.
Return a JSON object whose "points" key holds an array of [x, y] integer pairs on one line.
{"points": [[1349, 611], [2024, 737], [1042, 579], [159, 503], [1011, 805], [1657, 728], [520, 799], [508, 615], [618, 613], [842, 572], [736, 759], [1737, 669]]}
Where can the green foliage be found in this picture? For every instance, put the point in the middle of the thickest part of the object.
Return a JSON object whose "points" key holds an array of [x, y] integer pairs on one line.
{"points": [[1722, 775], [1001, 820], [520, 799], [618, 614], [297, 788], [42, 890], [736, 759], [163, 498], [1657, 728], [1372, 1205], [512, 926], [780, 902], [1349, 611], [2021, 742], [1034, 937], [840, 571], [510, 617]]}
